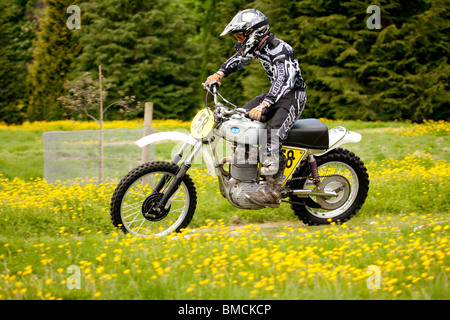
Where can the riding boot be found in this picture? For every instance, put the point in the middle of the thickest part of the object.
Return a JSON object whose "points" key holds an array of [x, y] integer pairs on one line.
{"points": [[269, 195]]}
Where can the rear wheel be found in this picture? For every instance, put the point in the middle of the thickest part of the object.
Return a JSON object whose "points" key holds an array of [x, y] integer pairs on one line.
{"points": [[342, 172], [135, 196]]}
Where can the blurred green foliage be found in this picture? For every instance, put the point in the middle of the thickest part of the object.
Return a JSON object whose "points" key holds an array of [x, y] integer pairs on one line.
{"points": [[162, 50]]}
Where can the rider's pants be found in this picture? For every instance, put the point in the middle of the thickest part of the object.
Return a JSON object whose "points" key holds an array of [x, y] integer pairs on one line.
{"points": [[281, 117]]}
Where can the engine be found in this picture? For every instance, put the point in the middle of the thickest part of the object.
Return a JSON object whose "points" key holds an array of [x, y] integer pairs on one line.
{"points": [[243, 175], [238, 190], [244, 166]]}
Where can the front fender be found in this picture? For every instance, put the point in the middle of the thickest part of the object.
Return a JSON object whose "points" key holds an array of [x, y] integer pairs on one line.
{"points": [[178, 137]]}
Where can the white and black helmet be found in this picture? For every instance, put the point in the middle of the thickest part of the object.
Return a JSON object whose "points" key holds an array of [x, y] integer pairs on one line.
{"points": [[250, 26]]}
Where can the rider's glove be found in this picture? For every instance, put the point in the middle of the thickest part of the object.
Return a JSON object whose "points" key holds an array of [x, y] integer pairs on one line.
{"points": [[257, 112], [215, 78]]}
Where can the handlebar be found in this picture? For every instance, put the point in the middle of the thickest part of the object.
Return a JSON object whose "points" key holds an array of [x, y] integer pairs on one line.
{"points": [[215, 91], [237, 110], [213, 88]]}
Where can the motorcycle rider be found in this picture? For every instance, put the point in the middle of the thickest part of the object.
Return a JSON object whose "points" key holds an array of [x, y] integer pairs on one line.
{"points": [[282, 104]]}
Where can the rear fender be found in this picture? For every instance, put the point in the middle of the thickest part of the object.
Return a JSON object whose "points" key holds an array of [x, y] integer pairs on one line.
{"points": [[339, 136], [180, 138]]}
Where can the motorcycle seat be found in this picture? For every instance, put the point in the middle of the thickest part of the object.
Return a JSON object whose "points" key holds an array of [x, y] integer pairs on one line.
{"points": [[309, 134]]}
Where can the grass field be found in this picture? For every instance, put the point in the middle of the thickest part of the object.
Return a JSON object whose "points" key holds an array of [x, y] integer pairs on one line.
{"points": [[57, 236]]}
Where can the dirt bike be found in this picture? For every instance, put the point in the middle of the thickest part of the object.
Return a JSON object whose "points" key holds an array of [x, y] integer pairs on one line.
{"points": [[321, 182]]}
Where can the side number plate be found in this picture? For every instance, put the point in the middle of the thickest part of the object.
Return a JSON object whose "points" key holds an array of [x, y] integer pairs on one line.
{"points": [[293, 156]]}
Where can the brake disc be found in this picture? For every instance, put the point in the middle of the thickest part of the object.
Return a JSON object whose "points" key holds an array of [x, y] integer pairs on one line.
{"points": [[338, 184]]}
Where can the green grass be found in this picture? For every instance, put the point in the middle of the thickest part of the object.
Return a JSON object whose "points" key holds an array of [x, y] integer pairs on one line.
{"points": [[21, 154], [230, 253]]}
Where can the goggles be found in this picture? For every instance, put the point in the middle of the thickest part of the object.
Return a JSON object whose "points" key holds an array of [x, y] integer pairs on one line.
{"points": [[240, 37]]}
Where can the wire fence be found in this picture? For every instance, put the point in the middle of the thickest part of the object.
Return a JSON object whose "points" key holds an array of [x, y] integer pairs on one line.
{"points": [[76, 155]]}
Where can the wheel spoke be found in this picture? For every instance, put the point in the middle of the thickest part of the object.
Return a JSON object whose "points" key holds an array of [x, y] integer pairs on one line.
{"points": [[135, 212], [133, 206]]}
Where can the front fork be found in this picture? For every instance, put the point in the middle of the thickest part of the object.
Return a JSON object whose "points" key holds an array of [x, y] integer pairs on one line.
{"points": [[176, 182], [161, 183]]}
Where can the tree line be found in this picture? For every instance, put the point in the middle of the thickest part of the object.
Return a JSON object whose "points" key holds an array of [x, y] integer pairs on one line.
{"points": [[162, 50]]}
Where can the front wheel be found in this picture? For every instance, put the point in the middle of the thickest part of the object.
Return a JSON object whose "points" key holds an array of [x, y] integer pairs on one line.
{"points": [[137, 193], [341, 171]]}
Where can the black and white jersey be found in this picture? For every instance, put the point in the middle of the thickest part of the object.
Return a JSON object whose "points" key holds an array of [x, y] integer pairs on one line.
{"points": [[279, 62]]}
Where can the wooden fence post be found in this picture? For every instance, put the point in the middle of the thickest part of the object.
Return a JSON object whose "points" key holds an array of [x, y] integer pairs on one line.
{"points": [[101, 160], [148, 117]]}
